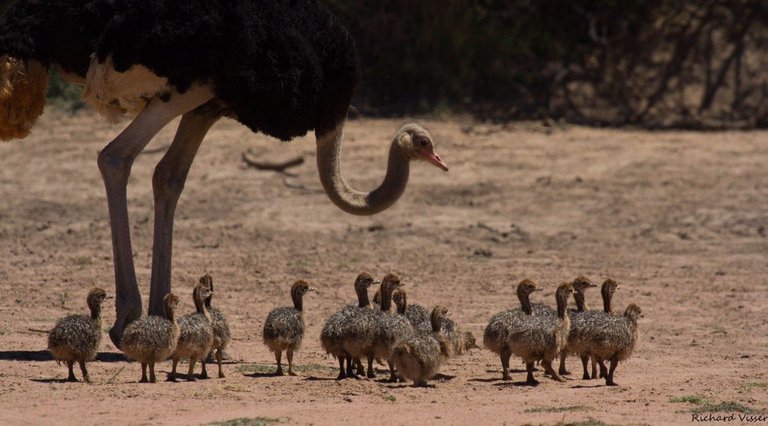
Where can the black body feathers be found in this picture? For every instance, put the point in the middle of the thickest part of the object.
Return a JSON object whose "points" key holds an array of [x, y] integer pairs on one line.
{"points": [[281, 67]]}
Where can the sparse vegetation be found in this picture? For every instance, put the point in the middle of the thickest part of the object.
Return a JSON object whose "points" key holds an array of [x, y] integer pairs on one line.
{"points": [[249, 421], [555, 409], [728, 407], [390, 398], [693, 399], [268, 369]]}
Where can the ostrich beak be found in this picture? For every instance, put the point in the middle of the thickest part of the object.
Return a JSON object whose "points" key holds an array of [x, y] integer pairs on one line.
{"points": [[434, 158]]}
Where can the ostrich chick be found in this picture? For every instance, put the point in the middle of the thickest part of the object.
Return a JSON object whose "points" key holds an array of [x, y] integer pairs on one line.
{"points": [[338, 327], [420, 319], [221, 334], [195, 334], [77, 337], [418, 356], [284, 327], [576, 345], [616, 339], [531, 335], [505, 322], [152, 339]]}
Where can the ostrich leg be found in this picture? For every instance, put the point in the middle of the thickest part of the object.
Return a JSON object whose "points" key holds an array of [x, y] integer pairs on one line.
{"points": [[115, 163], [167, 183]]}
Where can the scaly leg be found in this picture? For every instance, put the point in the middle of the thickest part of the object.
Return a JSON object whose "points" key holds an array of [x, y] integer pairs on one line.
{"points": [[71, 377], [342, 373], [289, 353], [505, 355], [204, 373], [218, 360], [84, 371], [278, 358], [115, 163], [551, 371], [167, 184], [585, 364], [152, 378], [609, 377], [563, 370], [174, 363], [530, 380], [191, 371], [143, 373], [371, 374]]}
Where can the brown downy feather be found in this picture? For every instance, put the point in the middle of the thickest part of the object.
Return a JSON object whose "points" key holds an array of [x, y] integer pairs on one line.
{"points": [[22, 96]]}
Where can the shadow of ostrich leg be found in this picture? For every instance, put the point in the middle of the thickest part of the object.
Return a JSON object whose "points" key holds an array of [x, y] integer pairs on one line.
{"points": [[168, 183], [115, 163]]}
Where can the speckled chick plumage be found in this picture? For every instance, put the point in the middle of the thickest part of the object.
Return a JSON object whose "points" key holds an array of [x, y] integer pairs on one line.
{"points": [[195, 333], [617, 336], [389, 327], [337, 328], [219, 324], [418, 356], [505, 323], [417, 315], [284, 327], [578, 342], [76, 338], [152, 338], [419, 318], [530, 335]]}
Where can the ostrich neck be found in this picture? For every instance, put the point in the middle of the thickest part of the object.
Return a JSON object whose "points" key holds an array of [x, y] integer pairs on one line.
{"points": [[581, 304], [386, 299], [562, 307], [402, 307], [437, 322], [200, 307], [298, 302], [170, 315], [607, 303], [96, 312], [525, 302], [345, 197], [362, 297]]}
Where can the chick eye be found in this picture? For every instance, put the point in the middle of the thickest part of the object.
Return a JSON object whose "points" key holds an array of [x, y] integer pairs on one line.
{"points": [[423, 142]]}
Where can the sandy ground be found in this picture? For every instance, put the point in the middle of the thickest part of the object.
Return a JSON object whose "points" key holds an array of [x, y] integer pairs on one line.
{"points": [[678, 218]]}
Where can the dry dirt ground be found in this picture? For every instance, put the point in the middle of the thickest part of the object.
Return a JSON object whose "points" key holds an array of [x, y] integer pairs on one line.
{"points": [[679, 218]]}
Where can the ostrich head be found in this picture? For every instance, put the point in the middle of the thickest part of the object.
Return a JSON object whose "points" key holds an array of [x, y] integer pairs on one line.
{"points": [[633, 312], [94, 300], [170, 302], [526, 287], [417, 144], [298, 290], [581, 283]]}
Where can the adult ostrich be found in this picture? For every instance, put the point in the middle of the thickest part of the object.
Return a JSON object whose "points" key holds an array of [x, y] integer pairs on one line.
{"points": [[280, 67]]}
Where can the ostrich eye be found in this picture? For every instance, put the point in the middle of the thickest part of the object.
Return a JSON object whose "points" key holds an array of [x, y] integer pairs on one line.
{"points": [[422, 142]]}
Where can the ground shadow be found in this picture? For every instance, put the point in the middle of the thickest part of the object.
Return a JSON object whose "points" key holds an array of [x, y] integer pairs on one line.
{"points": [[53, 381], [315, 378], [46, 356], [485, 380], [443, 377], [515, 385], [258, 374], [599, 385]]}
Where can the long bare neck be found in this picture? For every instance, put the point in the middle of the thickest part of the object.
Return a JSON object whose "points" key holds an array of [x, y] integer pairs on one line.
{"points": [[345, 197], [525, 302]]}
